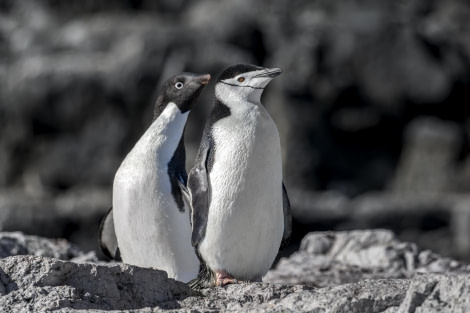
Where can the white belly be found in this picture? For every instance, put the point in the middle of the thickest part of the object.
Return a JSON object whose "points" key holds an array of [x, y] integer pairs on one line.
{"points": [[150, 230], [245, 223]]}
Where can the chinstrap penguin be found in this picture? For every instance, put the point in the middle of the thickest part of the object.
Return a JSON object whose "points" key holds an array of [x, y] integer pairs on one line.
{"points": [[241, 213], [151, 213]]}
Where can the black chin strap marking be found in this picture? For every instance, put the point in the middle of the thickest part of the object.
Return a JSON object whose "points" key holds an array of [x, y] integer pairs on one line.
{"points": [[241, 86]]}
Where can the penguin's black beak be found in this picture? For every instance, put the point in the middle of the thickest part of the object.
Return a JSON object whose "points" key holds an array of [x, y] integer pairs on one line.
{"points": [[203, 79], [270, 72]]}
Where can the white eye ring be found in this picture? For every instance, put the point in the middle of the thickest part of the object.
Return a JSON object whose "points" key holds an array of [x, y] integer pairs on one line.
{"points": [[179, 85]]}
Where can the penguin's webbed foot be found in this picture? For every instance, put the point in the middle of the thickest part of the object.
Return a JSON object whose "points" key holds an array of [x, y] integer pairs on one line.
{"points": [[222, 278]]}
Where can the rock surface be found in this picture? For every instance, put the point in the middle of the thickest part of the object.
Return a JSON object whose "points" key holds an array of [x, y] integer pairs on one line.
{"points": [[359, 271], [439, 222], [19, 244], [333, 258], [75, 214], [37, 283]]}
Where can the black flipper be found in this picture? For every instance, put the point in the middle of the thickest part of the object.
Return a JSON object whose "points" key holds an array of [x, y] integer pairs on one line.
{"points": [[199, 189], [107, 237], [198, 180], [177, 174], [287, 218], [198, 186]]}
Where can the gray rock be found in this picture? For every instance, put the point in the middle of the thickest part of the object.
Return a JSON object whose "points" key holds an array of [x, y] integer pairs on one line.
{"points": [[75, 214], [361, 297], [420, 294], [33, 283], [320, 207], [387, 276], [332, 258], [427, 160], [437, 293], [437, 221], [461, 228], [17, 243]]}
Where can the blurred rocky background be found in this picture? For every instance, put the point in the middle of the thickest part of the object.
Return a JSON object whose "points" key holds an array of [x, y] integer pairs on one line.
{"points": [[373, 107]]}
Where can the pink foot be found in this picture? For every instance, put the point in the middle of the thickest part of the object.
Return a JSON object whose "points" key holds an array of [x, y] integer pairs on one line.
{"points": [[222, 279]]}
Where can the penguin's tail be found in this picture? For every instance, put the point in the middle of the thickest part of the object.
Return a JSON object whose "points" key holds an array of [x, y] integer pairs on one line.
{"points": [[204, 279]]}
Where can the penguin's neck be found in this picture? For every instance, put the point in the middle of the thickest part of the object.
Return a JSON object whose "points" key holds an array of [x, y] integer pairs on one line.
{"points": [[238, 99], [164, 138]]}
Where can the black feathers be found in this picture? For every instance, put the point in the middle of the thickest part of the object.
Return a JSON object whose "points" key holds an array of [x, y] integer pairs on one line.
{"points": [[198, 184], [219, 111], [287, 218], [177, 174], [235, 70], [107, 238], [182, 89]]}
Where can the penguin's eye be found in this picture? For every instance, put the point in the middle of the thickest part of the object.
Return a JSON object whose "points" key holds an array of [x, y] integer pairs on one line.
{"points": [[179, 85], [241, 79]]}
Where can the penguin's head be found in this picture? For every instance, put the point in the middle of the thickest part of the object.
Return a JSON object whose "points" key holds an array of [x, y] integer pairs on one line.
{"points": [[245, 81], [182, 89]]}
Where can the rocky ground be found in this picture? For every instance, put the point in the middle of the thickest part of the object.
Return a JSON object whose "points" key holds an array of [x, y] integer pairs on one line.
{"points": [[357, 271]]}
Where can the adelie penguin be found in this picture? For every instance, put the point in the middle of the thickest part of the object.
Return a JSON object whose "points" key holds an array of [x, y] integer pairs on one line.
{"points": [[241, 213], [150, 213]]}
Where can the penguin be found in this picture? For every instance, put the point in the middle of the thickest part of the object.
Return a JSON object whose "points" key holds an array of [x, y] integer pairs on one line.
{"points": [[150, 212], [240, 208]]}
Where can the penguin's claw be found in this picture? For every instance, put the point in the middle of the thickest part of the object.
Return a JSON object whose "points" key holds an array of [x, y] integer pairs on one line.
{"points": [[222, 279]]}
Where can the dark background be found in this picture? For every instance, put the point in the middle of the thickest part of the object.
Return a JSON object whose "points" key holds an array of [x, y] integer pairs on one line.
{"points": [[373, 106]]}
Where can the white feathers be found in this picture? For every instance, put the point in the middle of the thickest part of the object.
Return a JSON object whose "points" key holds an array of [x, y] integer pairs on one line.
{"points": [[150, 230]]}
